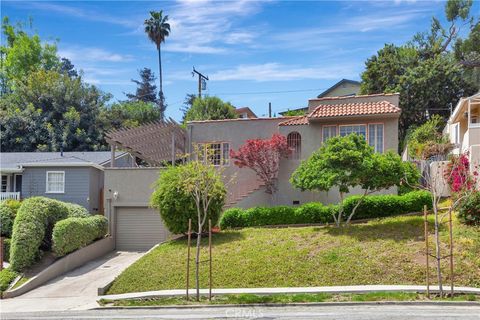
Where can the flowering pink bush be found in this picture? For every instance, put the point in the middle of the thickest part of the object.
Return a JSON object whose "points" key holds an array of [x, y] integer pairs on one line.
{"points": [[263, 157], [458, 174]]}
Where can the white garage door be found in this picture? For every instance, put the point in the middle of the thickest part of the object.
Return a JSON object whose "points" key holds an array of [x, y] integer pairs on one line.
{"points": [[138, 228]]}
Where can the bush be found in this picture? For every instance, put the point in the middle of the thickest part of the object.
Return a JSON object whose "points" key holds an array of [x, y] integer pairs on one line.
{"points": [[6, 249], [176, 205], [377, 206], [32, 228], [74, 233], [7, 216], [76, 210], [469, 209], [314, 212], [7, 275]]}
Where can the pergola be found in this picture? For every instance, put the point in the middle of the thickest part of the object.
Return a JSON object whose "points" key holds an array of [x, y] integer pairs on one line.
{"points": [[155, 143]]}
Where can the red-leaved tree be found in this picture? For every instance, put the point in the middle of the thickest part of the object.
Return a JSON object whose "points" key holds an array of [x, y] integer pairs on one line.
{"points": [[263, 156]]}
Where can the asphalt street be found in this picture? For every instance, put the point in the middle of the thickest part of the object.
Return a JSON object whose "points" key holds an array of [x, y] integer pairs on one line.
{"points": [[337, 312]]}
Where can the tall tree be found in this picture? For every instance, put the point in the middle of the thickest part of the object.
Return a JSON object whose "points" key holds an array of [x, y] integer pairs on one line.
{"points": [[157, 28], [146, 88]]}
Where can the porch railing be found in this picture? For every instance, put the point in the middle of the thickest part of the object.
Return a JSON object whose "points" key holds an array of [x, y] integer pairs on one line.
{"points": [[9, 195]]}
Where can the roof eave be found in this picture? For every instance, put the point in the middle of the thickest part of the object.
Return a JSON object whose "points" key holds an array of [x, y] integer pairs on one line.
{"points": [[383, 115], [62, 164]]}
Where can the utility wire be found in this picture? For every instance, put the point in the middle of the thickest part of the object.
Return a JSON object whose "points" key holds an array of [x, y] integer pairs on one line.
{"points": [[266, 92]]}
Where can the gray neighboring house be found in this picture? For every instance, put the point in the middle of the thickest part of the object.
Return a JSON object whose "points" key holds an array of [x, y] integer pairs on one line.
{"points": [[69, 176]]}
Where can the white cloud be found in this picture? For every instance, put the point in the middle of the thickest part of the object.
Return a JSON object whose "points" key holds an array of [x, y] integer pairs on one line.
{"points": [[209, 26], [80, 13], [279, 72], [92, 54]]}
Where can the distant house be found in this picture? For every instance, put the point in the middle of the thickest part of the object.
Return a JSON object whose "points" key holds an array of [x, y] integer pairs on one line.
{"points": [[245, 113], [463, 128], [69, 176], [343, 88]]}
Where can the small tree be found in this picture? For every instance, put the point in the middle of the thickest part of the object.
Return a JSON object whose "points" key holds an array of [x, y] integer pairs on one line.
{"points": [[191, 191], [380, 171], [338, 163], [263, 157]]}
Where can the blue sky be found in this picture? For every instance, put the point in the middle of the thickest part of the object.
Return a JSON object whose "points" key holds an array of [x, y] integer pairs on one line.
{"points": [[247, 48]]}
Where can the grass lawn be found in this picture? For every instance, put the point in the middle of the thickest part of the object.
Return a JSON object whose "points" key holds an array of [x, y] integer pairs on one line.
{"points": [[386, 251], [287, 298]]}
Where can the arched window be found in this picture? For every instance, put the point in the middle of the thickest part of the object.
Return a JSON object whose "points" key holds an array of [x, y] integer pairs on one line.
{"points": [[294, 140]]}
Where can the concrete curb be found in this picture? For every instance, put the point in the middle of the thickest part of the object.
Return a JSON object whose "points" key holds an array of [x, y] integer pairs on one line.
{"points": [[299, 304], [289, 290]]}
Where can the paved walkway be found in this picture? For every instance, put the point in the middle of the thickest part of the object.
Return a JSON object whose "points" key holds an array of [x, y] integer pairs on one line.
{"points": [[75, 290], [292, 290]]}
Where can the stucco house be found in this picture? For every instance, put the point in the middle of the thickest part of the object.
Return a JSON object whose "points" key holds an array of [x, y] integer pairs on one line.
{"points": [[463, 128], [136, 226], [373, 116], [69, 176]]}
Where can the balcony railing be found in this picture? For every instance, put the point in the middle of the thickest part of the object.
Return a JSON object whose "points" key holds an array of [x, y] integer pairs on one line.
{"points": [[9, 195]]}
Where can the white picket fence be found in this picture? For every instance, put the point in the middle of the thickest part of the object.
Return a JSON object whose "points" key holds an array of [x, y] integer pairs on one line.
{"points": [[9, 195]]}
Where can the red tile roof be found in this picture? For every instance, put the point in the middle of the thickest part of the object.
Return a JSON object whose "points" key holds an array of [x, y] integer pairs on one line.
{"points": [[353, 109], [301, 120]]}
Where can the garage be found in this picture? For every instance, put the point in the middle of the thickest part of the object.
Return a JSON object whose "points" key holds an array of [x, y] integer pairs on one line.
{"points": [[138, 228]]}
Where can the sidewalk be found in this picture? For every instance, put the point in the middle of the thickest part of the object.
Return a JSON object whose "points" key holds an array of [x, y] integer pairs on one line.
{"points": [[290, 290]]}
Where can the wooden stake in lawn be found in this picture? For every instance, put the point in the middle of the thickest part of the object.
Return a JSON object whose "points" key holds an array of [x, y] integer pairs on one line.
{"points": [[426, 249], [210, 259], [189, 236], [450, 227]]}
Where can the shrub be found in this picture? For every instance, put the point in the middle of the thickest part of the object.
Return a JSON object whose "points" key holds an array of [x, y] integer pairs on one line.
{"points": [[469, 209], [7, 275], [233, 218], [74, 233], [7, 216], [176, 204], [13, 204], [314, 212], [377, 206], [76, 210], [32, 228]]}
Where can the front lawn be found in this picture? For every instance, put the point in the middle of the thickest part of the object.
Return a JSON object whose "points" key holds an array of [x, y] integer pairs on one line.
{"points": [[386, 251]]}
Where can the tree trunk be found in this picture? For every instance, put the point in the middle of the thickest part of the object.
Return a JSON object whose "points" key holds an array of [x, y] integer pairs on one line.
{"points": [[197, 261], [162, 116], [356, 207], [340, 210]]}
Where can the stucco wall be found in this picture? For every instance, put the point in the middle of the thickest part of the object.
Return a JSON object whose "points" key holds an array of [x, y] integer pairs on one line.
{"points": [[77, 185], [237, 132], [344, 89]]}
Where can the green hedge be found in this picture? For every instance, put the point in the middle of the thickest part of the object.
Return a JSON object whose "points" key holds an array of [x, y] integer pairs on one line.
{"points": [[33, 226], [75, 233], [372, 207], [7, 216], [377, 206], [7, 275]]}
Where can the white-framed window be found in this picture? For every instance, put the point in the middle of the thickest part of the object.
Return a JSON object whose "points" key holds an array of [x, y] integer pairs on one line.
{"points": [[4, 183], [360, 129], [328, 132], [294, 141], [55, 182], [217, 153], [375, 136]]}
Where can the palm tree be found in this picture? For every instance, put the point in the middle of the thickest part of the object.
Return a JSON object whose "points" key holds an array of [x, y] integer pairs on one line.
{"points": [[157, 28]]}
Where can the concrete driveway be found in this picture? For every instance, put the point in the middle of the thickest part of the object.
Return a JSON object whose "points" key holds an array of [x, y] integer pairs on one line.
{"points": [[75, 290]]}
